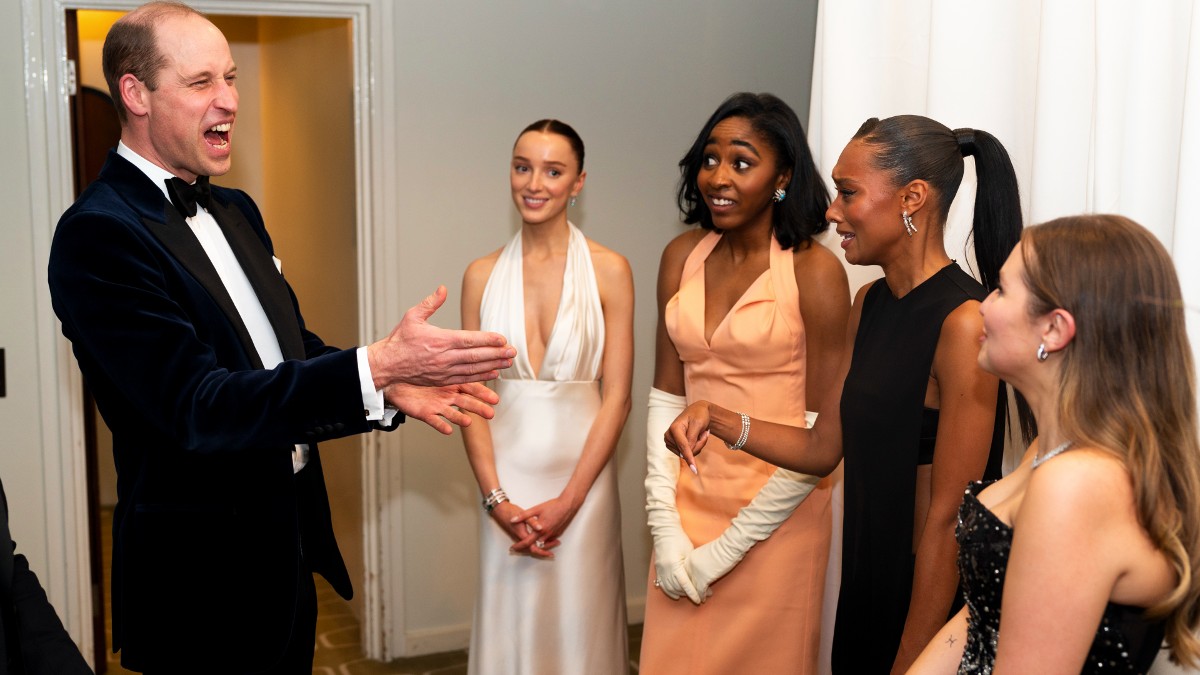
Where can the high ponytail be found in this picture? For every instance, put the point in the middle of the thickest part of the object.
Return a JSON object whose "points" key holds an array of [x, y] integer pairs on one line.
{"points": [[996, 228], [912, 147]]}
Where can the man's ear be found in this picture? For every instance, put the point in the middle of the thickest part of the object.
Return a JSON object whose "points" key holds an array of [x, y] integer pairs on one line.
{"points": [[133, 95]]}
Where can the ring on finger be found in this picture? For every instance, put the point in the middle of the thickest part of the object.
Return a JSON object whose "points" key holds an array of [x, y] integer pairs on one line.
{"points": [[540, 543]]}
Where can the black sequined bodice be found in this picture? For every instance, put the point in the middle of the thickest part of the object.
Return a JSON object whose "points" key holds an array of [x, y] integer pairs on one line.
{"points": [[1126, 642]]}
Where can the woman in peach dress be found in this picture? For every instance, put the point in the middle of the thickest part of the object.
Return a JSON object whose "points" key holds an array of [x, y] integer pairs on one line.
{"points": [[752, 312]]}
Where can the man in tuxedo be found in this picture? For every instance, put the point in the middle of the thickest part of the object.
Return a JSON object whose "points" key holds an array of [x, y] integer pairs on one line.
{"points": [[196, 352]]}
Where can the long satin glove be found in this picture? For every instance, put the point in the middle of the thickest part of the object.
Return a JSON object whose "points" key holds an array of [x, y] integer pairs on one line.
{"points": [[671, 544], [755, 522]]}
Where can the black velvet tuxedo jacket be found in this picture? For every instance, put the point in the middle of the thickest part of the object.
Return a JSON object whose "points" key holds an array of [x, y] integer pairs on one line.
{"points": [[210, 522]]}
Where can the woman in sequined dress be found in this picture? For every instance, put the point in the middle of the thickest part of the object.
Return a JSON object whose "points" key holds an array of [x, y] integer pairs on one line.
{"points": [[1088, 554]]}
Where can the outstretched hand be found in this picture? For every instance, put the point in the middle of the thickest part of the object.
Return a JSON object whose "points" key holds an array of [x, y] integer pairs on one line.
{"points": [[439, 407], [688, 434], [420, 353]]}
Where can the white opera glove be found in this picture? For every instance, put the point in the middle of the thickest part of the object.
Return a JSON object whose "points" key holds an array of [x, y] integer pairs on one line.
{"points": [[756, 521], [671, 543]]}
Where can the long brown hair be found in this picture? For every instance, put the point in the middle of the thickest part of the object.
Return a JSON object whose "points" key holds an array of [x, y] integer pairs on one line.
{"points": [[1127, 383]]}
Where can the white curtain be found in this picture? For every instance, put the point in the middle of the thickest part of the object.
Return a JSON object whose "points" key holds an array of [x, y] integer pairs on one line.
{"points": [[1097, 102]]}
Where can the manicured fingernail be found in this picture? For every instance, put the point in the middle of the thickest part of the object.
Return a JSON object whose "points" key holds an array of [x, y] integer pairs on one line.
{"points": [[694, 470]]}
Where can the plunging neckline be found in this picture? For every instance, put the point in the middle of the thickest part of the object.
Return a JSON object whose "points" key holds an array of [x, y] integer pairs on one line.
{"points": [[708, 338], [738, 303], [574, 342], [554, 327]]}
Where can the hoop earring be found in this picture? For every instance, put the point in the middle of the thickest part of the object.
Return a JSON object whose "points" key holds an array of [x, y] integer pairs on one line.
{"points": [[1042, 354], [572, 202], [908, 224], [780, 195]]}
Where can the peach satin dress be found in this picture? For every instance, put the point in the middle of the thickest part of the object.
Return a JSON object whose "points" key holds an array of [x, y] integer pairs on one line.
{"points": [[765, 615]]}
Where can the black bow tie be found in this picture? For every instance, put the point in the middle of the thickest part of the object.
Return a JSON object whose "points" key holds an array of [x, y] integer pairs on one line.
{"points": [[185, 197]]}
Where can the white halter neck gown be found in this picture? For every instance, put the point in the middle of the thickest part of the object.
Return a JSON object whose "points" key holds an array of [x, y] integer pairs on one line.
{"points": [[565, 615]]}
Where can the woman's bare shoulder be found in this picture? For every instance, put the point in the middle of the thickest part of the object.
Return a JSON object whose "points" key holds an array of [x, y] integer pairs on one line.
{"points": [[816, 265], [1086, 486]]}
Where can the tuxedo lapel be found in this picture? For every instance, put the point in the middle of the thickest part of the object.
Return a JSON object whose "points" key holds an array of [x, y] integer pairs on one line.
{"points": [[264, 277], [181, 241], [165, 222]]}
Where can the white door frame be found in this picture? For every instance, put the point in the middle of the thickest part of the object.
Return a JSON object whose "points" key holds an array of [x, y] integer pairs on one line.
{"points": [[51, 183]]}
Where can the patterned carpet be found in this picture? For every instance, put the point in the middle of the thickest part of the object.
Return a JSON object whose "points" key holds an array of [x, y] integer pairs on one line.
{"points": [[339, 646]]}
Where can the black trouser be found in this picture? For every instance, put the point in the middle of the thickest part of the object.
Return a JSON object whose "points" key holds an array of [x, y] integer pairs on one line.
{"points": [[298, 657]]}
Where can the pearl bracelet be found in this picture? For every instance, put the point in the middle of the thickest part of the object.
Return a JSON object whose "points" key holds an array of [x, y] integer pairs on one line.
{"points": [[494, 498], [741, 441]]}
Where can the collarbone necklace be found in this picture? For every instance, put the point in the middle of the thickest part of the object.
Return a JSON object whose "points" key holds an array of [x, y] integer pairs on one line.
{"points": [[1038, 459]]}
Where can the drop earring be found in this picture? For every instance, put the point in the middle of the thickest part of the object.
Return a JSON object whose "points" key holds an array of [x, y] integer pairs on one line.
{"points": [[572, 202], [908, 224]]}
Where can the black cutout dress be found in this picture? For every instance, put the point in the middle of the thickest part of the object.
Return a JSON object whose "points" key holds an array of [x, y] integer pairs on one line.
{"points": [[882, 414]]}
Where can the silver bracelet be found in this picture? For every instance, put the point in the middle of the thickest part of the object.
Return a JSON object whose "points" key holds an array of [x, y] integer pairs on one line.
{"points": [[494, 498], [741, 441]]}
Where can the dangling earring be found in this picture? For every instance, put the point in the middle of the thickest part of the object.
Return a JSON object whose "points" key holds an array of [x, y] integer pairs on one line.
{"points": [[780, 195], [1042, 354], [572, 202], [908, 224]]}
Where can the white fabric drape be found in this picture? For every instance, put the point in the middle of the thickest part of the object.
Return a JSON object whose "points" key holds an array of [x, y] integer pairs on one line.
{"points": [[1098, 104]]}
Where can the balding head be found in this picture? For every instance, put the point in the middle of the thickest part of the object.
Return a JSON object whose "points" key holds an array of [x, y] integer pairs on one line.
{"points": [[132, 48]]}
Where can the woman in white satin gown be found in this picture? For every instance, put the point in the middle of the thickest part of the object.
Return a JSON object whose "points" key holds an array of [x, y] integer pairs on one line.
{"points": [[552, 592]]}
